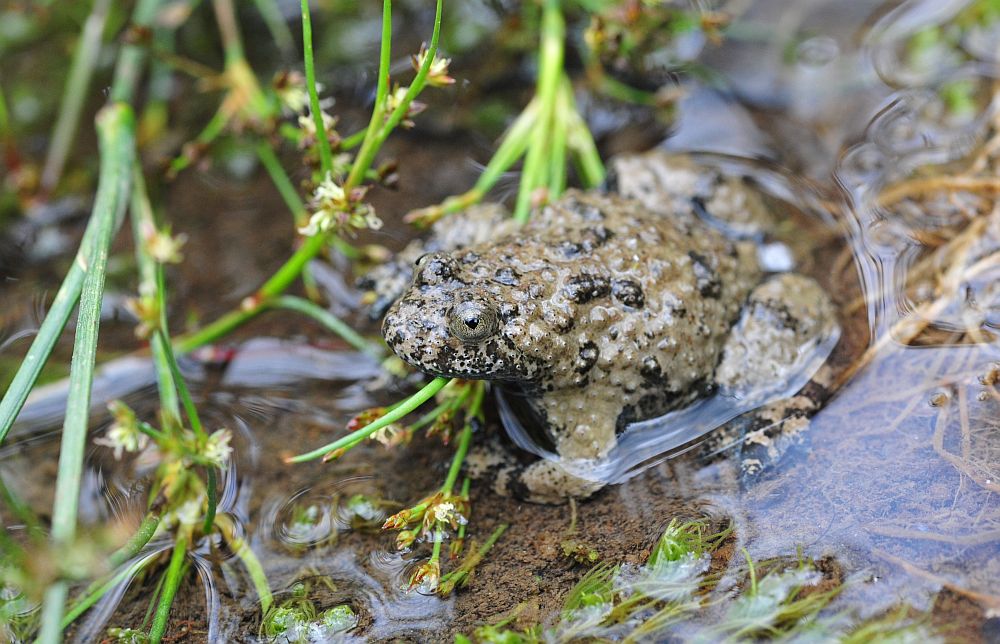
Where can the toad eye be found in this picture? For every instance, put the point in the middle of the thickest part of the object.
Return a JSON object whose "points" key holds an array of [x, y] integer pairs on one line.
{"points": [[472, 322]]}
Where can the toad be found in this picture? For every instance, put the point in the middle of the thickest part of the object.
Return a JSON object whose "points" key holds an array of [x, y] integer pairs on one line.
{"points": [[607, 309]]}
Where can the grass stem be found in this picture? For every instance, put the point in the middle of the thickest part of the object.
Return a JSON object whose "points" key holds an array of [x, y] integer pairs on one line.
{"points": [[355, 437], [74, 97], [172, 582], [281, 181], [322, 140], [330, 321], [115, 127], [465, 438], [143, 223]]}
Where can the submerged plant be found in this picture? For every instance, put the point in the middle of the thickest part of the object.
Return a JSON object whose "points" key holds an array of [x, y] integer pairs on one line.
{"points": [[676, 592], [296, 620]]}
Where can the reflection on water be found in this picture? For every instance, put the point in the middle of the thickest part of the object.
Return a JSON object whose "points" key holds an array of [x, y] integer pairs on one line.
{"points": [[899, 477]]}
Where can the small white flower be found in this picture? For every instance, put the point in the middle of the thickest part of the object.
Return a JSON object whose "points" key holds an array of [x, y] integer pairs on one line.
{"points": [[308, 125], [189, 513], [164, 248], [386, 434], [437, 73], [124, 434], [319, 222], [371, 219], [443, 511], [394, 99], [217, 449], [329, 190]]}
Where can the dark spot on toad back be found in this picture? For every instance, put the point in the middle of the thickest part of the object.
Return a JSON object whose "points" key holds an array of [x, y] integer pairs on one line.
{"points": [[508, 311], [629, 293], [587, 357], [599, 234], [507, 276], [585, 288], [570, 249], [651, 372], [706, 279], [435, 268]]}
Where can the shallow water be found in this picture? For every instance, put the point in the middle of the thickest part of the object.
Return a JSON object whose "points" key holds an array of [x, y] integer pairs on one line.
{"points": [[897, 478]]}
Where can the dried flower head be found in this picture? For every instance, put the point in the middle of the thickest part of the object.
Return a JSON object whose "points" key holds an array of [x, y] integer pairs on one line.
{"points": [[164, 248], [437, 74], [146, 309], [426, 577], [396, 98], [290, 88]]}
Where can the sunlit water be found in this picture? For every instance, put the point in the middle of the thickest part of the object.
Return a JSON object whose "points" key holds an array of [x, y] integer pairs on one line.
{"points": [[898, 478]]}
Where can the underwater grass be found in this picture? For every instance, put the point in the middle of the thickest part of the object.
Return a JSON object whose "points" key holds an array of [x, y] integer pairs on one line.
{"points": [[675, 589]]}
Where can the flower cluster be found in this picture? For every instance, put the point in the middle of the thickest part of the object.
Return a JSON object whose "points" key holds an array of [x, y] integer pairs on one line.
{"points": [[163, 247], [335, 208], [430, 519], [437, 75], [124, 434]]}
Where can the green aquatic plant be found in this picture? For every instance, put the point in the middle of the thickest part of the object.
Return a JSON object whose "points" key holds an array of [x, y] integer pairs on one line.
{"points": [[547, 134], [297, 619]]}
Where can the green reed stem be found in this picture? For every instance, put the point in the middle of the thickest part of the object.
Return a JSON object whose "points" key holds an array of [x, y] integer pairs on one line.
{"points": [[353, 140], [581, 141], [558, 144], [286, 275], [69, 291], [143, 223], [281, 181], [465, 438], [115, 128], [185, 394], [330, 321], [213, 500], [416, 86], [81, 72], [130, 549], [100, 588], [275, 23], [172, 582], [512, 147], [250, 561], [550, 68], [217, 329], [322, 141], [355, 437], [137, 541], [367, 150], [464, 493]]}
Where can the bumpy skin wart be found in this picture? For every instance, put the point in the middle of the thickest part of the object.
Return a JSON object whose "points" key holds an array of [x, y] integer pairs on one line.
{"points": [[599, 311]]}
